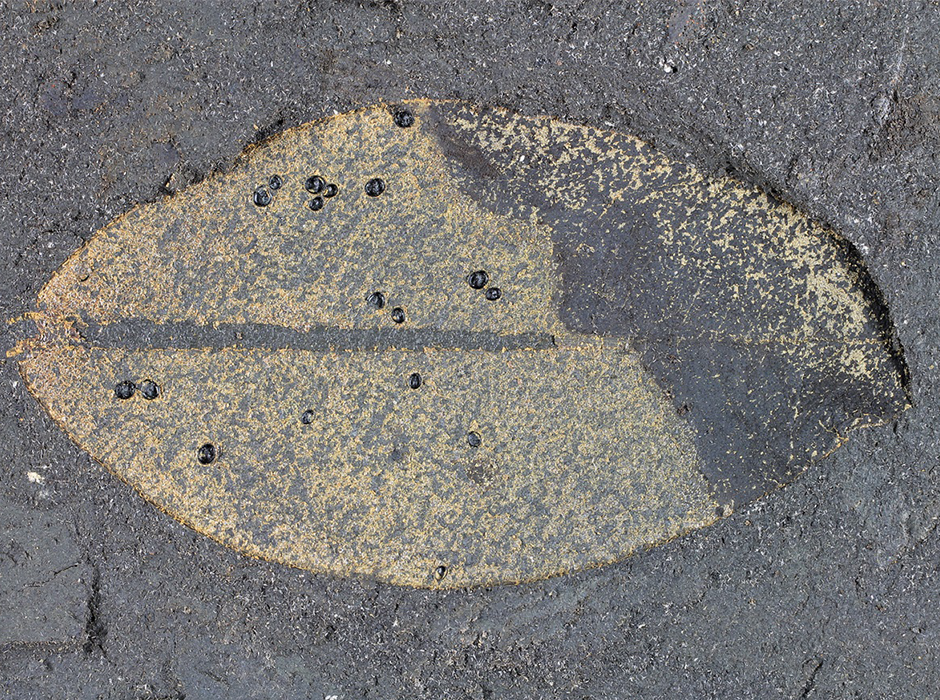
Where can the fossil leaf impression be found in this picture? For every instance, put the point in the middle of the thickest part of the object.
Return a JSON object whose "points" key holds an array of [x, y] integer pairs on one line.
{"points": [[445, 346]]}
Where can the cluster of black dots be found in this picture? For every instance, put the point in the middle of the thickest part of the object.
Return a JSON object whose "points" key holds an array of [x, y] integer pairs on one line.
{"points": [[262, 197], [322, 190], [315, 185], [377, 301], [126, 389], [479, 280], [150, 390]]}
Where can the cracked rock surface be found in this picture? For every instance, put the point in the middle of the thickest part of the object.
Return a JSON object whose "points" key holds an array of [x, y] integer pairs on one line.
{"points": [[44, 579], [825, 589]]}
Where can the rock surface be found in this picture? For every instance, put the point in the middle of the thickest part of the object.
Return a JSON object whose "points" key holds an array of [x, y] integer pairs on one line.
{"points": [[827, 589]]}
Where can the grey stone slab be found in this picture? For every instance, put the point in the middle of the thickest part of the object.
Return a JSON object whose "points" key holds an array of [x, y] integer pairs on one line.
{"points": [[44, 578]]}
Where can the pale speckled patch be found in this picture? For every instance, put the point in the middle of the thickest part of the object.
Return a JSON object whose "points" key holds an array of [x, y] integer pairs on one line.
{"points": [[581, 462], [210, 255]]}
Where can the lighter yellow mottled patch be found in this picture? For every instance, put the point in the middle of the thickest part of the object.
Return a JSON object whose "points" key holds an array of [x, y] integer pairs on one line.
{"points": [[582, 460], [211, 256]]}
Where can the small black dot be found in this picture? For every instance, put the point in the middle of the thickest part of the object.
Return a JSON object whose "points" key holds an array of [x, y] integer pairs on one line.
{"points": [[149, 389], [206, 454], [307, 417], [375, 187], [316, 204], [331, 190], [275, 182], [404, 118], [720, 511], [376, 300], [398, 315], [493, 293], [261, 197], [478, 279], [440, 572], [474, 439], [124, 390], [315, 184], [414, 381]]}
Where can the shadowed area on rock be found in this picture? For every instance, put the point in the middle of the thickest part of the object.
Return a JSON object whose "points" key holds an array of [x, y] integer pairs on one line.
{"points": [[763, 327]]}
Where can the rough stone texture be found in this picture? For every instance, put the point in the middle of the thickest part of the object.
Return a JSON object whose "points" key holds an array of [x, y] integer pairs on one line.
{"points": [[827, 589], [44, 579]]}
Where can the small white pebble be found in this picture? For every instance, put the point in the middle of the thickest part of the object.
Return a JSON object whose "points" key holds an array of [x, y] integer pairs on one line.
{"points": [[36, 477]]}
